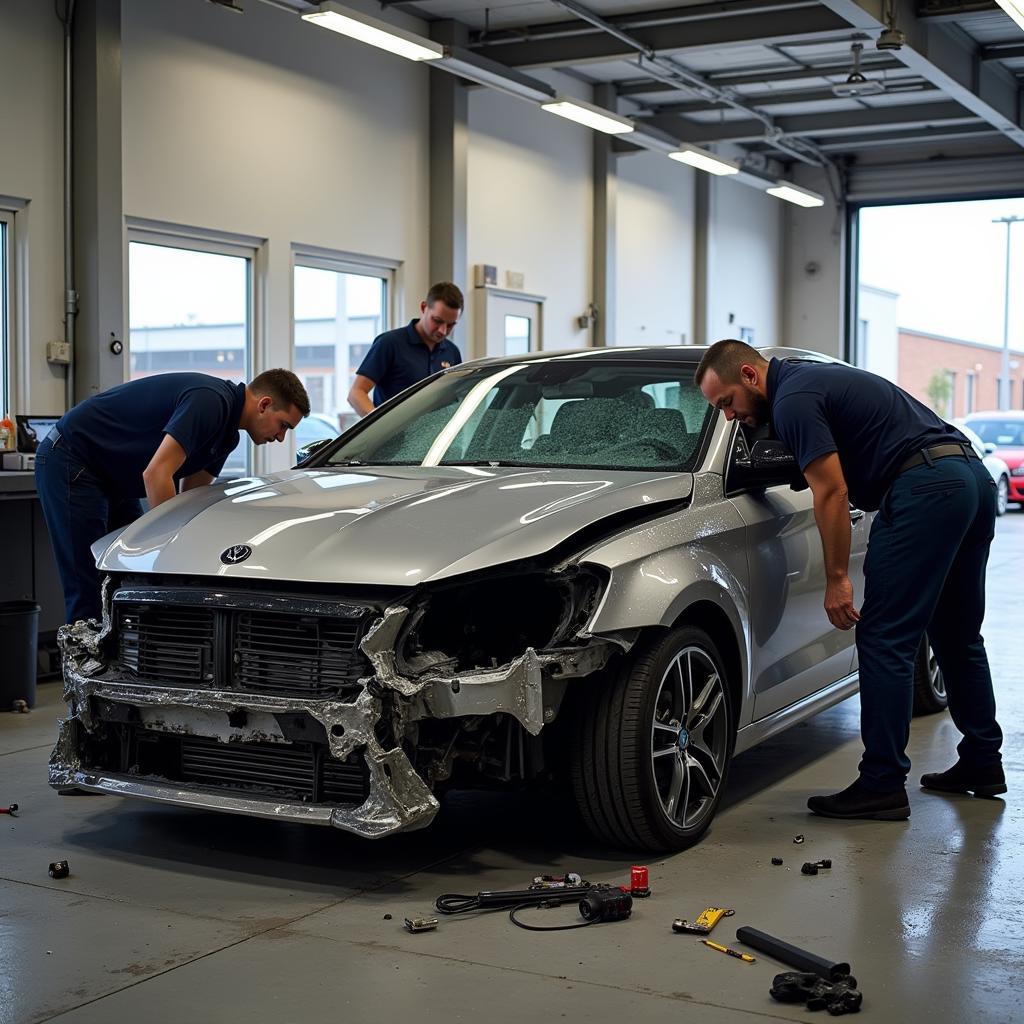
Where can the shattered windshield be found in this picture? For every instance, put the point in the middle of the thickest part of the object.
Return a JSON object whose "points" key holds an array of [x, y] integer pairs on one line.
{"points": [[558, 413]]}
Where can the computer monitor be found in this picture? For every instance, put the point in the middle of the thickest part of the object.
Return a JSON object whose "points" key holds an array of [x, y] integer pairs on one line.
{"points": [[32, 429]]}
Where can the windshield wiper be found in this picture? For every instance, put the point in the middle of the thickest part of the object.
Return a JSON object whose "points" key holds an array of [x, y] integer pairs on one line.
{"points": [[494, 463]]}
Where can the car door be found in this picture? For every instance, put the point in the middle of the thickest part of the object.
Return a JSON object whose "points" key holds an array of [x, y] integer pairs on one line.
{"points": [[795, 650]]}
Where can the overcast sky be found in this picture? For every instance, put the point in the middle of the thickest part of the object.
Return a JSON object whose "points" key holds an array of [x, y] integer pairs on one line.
{"points": [[947, 261]]}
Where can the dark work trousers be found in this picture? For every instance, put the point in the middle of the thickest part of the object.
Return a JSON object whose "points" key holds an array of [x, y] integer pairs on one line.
{"points": [[78, 510], [925, 571]]}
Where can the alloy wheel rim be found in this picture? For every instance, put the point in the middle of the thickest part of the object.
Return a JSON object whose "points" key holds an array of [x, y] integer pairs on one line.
{"points": [[938, 684], [1003, 498], [689, 739]]}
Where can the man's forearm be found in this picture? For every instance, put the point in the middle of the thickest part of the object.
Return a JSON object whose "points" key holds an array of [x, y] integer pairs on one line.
{"points": [[360, 401], [159, 488], [832, 514]]}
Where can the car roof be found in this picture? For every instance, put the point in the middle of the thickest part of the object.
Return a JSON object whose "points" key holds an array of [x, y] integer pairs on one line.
{"points": [[996, 414], [638, 354]]}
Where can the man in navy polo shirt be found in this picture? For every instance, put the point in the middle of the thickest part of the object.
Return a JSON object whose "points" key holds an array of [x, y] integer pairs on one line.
{"points": [[142, 440], [860, 439], [403, 357]]}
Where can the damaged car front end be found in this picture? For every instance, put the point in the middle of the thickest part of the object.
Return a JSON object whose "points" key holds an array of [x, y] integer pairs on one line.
{"points": [[313, 709]]}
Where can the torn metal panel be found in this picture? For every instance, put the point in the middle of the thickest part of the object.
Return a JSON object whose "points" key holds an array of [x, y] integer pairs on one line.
{"points": [[380, 644], [398, 798]]}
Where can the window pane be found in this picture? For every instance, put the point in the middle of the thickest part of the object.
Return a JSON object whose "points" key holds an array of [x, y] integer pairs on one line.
{"points": [[189, 311], [337, 316], [517, 335], [4, 393]]}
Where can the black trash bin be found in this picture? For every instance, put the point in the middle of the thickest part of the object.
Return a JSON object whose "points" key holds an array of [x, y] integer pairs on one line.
{"points": [[19, 626]]}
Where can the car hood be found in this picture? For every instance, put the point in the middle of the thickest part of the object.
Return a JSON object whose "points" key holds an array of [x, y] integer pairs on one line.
{"points": [[1013, 457], [394, 526]]}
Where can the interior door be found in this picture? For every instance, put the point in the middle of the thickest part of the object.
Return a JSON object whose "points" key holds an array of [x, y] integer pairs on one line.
{"points": [[511, 323]]}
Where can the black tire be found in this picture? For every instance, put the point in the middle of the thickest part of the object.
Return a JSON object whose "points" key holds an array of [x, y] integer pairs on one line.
{"points": [[645, 730], [929, 686]]}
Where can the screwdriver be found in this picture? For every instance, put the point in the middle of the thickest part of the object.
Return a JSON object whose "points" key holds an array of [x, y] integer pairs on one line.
{"points": [[745, 957]]}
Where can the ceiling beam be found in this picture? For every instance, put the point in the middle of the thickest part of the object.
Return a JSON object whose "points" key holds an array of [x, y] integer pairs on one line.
{"points": [[535, 50], [767, 100], [946, 58], [817, 126], [923, 135], [1002, 51]]}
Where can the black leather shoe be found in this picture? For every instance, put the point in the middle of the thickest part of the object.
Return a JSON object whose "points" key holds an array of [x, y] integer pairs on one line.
{"points": [[963, 778], [857, 802]]}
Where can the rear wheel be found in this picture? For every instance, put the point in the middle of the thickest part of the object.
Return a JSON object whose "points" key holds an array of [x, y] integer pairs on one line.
{"points": [[653, 745], [929, 686], [1002, 496]]}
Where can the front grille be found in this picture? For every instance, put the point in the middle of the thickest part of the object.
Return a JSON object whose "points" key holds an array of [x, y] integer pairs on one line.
{"points": [[300, 772], [299, 655], [278, 653], [172, 644]]}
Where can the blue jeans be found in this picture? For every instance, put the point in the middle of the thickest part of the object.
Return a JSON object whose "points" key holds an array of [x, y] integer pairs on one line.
{"points": [[925, 572], [78, 510]]}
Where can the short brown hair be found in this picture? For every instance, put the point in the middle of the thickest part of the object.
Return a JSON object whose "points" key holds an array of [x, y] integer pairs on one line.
{"points": [[725, 358], [284, 388], [446, 292]]}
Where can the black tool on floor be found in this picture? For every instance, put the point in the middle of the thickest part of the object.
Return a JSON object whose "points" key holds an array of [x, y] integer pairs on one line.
{"points": [[838, 997], [59, 869], [796, 957], [12, 810]]}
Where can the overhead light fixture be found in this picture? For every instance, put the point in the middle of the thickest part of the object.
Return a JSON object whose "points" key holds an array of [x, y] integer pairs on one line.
{"points": [[796, 194], [704, 161], [1015, 9], [857, 84], [357, 25], [587, 114]]}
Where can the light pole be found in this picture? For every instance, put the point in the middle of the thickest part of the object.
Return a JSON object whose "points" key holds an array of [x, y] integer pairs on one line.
{"points": [[1004, 382]]}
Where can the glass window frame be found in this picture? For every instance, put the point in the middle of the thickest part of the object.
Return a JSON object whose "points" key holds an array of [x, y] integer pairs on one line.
{"points": [[197, 240], [316, 258], [8, 307]]}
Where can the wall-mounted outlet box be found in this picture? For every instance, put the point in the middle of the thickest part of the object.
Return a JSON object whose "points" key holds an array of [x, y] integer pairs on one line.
{"points": [[485, 274], [515, 279], [58, 352]]}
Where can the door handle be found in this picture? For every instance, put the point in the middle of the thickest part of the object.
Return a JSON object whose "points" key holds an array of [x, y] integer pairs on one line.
{"points": [[855, 514]]}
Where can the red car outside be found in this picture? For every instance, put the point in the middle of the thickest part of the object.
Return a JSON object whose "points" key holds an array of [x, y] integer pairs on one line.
{"points": [[1004, 429]]}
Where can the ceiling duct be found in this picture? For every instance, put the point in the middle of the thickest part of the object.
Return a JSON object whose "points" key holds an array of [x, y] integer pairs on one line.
{"points": [[856, 84]]}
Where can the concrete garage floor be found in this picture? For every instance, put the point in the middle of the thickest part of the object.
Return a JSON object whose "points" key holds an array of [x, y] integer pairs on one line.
{"points": [[172, 915]]}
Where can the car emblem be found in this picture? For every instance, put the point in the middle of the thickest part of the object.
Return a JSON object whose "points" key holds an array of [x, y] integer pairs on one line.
{"points": [[683, 739], [235, 554]]}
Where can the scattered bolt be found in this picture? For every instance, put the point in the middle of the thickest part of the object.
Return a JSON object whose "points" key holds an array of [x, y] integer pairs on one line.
{"points": [[798, 839], [387, 917], [826, 863], [776, 861], [59, 869], [809, 869], [12, 810], [20, 706]]}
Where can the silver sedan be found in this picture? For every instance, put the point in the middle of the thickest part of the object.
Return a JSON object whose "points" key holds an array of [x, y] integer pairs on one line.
{"points": [[558, 563]]}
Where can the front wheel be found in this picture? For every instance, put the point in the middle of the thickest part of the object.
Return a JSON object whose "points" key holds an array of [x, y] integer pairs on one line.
{"points": [[929, 685], [654, 744]]}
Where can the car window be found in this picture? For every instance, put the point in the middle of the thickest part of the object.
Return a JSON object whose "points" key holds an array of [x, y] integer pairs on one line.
{"points": [[1004, 433], [312, 429], [598, 413]]}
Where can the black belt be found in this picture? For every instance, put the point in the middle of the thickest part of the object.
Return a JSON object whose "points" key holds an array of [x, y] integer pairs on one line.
{"points": [[937, 451]]}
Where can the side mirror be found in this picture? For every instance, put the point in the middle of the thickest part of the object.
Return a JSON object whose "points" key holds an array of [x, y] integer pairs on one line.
{"points": [[303, 454], [988, 447], [768, 464]]}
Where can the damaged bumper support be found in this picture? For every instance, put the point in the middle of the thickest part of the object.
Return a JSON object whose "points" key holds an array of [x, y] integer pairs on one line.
{"points": [[396, 797]]}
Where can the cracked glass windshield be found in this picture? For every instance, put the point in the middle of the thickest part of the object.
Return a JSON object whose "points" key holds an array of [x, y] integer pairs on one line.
{"points": [[561, 413]]}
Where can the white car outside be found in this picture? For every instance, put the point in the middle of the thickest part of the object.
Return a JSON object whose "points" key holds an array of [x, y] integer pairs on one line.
{"points": [[996, 466]]}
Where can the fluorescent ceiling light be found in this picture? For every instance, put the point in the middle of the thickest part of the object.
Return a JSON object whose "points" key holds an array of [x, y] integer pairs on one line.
{"points": [[587, 114], [704, 161], [1015, 9], [378, 33], [795, 194]]}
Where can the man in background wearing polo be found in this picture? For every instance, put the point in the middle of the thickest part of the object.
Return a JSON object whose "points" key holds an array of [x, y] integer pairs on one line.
{"points": [[405, 356]]}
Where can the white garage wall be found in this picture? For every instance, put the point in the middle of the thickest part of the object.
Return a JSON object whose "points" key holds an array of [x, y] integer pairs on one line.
{"points": [[31, 162], [530, 203], [266, 126], [654, 251], [744, 264]]}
